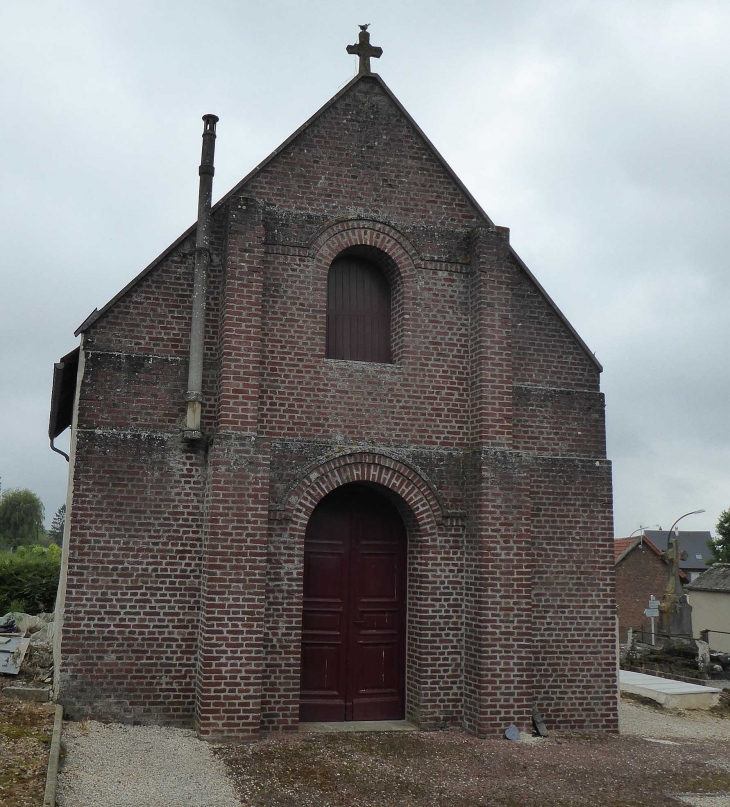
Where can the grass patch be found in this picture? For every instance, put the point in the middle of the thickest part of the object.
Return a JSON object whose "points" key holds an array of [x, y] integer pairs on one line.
{"points": [[24, 732], [707, 782]]}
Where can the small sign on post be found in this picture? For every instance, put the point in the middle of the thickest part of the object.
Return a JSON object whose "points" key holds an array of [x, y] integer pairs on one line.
{"points": [[652, 612]]}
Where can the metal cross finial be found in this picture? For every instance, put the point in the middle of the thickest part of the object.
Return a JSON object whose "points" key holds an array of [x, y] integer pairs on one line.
{"points": [[364, 50]]}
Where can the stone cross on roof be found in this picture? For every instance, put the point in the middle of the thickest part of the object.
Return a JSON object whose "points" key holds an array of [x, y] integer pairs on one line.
{"points": [[364, 50]]}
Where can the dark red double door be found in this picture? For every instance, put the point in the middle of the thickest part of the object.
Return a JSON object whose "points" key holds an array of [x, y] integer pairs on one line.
{"points": [[354, 616]]}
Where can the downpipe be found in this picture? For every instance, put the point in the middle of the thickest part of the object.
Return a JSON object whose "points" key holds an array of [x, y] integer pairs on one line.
{"points": [[194, 395]]}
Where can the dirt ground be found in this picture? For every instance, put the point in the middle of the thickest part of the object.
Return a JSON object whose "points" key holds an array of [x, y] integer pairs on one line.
{"points": [[453, 769], [25, 736]]}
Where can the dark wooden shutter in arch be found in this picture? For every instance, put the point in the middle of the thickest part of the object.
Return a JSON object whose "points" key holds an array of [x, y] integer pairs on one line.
{"points": [[358, 311]]}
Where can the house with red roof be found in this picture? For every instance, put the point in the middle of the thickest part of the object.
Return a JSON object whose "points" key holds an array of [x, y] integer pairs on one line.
{"points": [[641, 572]]}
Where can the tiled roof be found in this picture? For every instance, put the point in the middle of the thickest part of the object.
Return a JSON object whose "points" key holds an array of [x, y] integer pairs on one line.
{"points": [[620, 545], [716, 578], [693, 542]]}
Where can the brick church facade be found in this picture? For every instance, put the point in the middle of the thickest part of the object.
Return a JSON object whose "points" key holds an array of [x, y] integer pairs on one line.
{"points": [[400, 506]]}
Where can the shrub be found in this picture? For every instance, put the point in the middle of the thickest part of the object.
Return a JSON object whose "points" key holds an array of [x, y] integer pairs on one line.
{"points": [[30, 576]]}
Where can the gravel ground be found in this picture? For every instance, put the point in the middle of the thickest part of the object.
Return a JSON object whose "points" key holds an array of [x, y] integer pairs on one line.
{"points": [[649, 721], [662, 759], [452, 769], [140, 766], [677, 728]]}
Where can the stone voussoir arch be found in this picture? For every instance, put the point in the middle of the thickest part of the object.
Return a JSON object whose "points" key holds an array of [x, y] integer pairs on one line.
{"points": [[364, 466], [357, 233]]}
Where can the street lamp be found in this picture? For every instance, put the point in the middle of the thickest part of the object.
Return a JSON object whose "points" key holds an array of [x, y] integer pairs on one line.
{"points": [[693, 513]]}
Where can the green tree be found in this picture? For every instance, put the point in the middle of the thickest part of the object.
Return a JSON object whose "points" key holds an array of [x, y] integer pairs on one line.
{"points": [[720, 544], [55, 533], [21, 517]]}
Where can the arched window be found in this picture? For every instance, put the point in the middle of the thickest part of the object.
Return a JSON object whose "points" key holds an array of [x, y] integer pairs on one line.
{"points": [[358, 311]]}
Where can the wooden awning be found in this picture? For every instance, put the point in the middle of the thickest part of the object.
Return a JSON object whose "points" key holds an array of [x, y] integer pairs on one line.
{"points": [[64, 393]]}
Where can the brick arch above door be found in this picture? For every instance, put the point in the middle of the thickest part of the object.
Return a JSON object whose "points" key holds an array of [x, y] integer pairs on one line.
{"points": [[426, 512]]}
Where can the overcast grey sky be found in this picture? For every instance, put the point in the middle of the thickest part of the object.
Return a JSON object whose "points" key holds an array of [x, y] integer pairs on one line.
{"points": [[598, 132]]}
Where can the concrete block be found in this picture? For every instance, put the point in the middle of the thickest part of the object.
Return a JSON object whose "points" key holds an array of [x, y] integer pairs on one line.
{"points": [[27, 693], [670, 694]]}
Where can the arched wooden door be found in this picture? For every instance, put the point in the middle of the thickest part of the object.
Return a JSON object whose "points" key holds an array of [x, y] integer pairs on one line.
{"points": [[354, 613]]}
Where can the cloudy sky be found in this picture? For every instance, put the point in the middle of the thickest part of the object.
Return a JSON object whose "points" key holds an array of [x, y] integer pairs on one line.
{"points": [[598, 132]]}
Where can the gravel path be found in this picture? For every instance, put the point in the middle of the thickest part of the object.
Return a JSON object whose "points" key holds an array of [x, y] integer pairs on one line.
{"points": [[674, 728], [140, 766], [691, 725]]}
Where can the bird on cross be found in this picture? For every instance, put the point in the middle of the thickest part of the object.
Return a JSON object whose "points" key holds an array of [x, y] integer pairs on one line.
{"points": [[365, 51]]}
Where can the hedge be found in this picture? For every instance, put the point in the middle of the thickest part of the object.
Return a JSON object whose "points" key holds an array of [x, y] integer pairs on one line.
{"points": [[29, 579]]}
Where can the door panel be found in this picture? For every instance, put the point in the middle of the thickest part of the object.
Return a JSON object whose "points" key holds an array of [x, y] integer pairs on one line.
{"points": [[324, 573], [320, 665], [353, 623], [325, 615], [378, 603]]}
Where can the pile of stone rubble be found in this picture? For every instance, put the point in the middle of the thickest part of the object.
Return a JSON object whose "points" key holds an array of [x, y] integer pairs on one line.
{"points": [[26, 655]]}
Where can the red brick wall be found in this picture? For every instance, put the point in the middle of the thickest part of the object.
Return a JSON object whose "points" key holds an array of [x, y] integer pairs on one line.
{"points": [[573, 604], [559, 421], [133, 588], [361, 154], [306, 396], [639, 575], [487, 432], [546, 354]]}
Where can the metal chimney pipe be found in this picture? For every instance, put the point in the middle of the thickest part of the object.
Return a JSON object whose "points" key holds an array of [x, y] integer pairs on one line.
{"points": [[194, 395]]}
